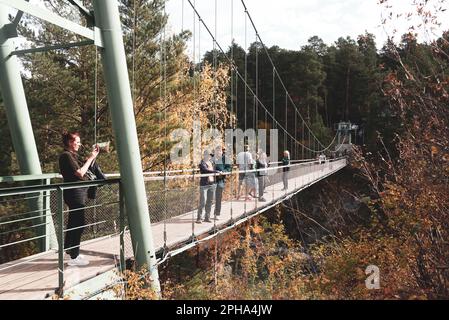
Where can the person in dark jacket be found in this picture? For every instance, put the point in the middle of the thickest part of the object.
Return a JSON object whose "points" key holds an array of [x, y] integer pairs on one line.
{"points": [[222, 164], [285, 162], [74, 169], [262, 172], [207, 187]]}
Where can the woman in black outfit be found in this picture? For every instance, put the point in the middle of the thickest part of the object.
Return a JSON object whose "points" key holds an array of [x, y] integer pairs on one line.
{"points": [[262, 165], [74, 169]]}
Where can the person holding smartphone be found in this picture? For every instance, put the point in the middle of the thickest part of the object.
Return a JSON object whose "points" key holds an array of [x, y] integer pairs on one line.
{"points": [[73, 168]]}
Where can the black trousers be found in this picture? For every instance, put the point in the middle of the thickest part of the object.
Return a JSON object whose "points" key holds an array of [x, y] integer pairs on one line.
{"points": [[76, 201], [261, 185], [218, 198]]}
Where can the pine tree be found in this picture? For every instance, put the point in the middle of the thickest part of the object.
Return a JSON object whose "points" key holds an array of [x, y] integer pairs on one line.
{"points": [[60, 84]]}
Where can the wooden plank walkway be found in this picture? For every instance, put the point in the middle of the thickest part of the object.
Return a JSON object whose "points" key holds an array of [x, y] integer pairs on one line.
{"points": [[38, 279]]}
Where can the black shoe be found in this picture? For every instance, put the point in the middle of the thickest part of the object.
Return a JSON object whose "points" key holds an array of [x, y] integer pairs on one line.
{"points": [[262, 199], [217, 217], [207, 220], [198, 221]]}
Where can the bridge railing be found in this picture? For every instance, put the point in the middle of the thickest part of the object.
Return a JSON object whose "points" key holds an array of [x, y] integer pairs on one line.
{"points": [[173, 202], [22, 229]]}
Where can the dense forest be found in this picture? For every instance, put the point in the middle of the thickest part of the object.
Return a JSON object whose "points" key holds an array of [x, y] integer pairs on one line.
{"points": [[389, 208]]}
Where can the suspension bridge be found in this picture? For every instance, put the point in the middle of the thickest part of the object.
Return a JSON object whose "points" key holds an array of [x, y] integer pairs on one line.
{"points": [[145, 217]]}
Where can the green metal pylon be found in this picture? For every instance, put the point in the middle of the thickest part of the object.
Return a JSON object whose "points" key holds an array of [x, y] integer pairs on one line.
{"points": [[107, 19], [19, 121]]}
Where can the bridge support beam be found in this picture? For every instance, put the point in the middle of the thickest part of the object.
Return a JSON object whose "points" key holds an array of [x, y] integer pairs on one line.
{"points": [[113, 58], [19, 122]]}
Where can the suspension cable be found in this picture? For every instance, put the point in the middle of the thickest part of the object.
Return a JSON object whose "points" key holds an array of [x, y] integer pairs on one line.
{"points": [[278, 75], [239, 75]]}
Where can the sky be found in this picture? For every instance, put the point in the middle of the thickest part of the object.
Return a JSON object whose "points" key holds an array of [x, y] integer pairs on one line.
{"points": [[288, 23]]}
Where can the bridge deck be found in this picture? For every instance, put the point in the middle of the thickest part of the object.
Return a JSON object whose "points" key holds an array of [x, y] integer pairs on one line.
{"points": [[38, 279]]}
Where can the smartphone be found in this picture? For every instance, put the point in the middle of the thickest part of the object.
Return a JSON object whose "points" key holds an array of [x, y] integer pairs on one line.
{"points": [[104, 146]]}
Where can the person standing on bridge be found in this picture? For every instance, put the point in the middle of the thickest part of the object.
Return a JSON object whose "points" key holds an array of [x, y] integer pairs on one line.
{"points": [[222, 164], [245, 162], [207, 186], [74, 169], [286, 168], [262, 172]]}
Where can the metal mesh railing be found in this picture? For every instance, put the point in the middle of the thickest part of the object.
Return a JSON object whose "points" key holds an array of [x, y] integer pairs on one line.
{"points": [[101, 214], [34, 219], [174, 208], [31, 217]]}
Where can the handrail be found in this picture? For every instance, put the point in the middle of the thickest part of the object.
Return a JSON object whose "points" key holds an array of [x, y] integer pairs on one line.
{"points": [[318, 162], [54, 187], [36, 177], [30, 177], [116, 178]]}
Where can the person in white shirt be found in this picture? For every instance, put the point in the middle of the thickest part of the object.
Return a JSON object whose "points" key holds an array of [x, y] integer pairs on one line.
{"points": [[245, 162], [322, 158]]}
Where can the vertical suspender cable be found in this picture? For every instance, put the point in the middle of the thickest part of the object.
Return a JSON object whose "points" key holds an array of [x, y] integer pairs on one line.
{"points": [[246, 70], [269, 57], [296, 150], [195, 109], [247, 87], [199, 78], [274, 97], [96, 95], [215, 70], [233, 124], [164, 99], [214, 124], [182, 16], [256, 123], [95, 123], [303, 140], [296, 137], [286, 128], [308, 132], [134, 55], [257, 89], [274, 116], [246, 100]]}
